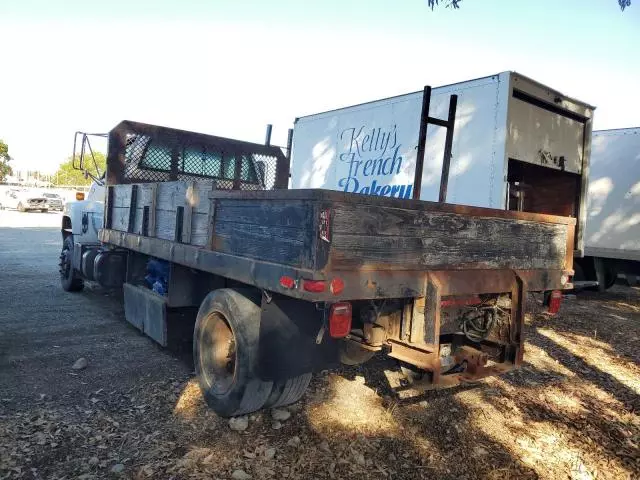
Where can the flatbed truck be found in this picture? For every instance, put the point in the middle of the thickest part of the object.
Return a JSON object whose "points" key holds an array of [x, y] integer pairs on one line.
{"points": [[287, 282]]}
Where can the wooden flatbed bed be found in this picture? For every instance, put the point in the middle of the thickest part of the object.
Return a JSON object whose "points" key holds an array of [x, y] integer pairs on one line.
{"points": [[380, 247]]}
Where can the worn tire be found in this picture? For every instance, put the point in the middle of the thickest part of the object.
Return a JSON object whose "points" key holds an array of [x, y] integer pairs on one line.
{"points": [[286, 392], [68, 277], [225, 352]]}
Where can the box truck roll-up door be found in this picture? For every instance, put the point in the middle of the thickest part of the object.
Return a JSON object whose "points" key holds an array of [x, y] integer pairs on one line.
{"points": [[547, 148], [554, 136]]}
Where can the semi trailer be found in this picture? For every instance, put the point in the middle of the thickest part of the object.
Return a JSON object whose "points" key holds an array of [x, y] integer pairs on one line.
{"points": [[612, 238], [289, 281]]}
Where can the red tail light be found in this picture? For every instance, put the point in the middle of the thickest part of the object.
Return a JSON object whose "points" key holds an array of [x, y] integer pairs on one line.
{"points": [[340, 320], [555, 300], [313, 286]]}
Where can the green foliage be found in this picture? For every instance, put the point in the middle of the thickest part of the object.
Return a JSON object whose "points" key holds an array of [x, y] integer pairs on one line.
{"points": [[5, 168], [67, 175]]}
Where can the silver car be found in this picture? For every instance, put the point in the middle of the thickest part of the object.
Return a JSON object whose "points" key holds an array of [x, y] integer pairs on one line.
{"points": [[23, 200], [54, 200]]}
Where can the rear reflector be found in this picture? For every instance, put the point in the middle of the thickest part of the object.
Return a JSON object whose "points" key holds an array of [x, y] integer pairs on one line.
{"points": [[555, 300], [287, 282], [336, 286], [314, 286], [340, 320]]}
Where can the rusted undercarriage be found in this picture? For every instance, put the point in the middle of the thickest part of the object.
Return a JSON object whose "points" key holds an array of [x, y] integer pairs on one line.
{"points": [[467, 326]]}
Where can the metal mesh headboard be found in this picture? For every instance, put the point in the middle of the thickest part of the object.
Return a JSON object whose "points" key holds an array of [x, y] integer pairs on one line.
{"points": [[142, 153]]}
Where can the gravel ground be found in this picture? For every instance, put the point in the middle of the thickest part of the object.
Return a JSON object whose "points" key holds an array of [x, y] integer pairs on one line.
{"points": [[135, 411]]}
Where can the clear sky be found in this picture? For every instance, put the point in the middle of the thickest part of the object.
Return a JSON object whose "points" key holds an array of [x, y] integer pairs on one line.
{"points": [[231, 67]]}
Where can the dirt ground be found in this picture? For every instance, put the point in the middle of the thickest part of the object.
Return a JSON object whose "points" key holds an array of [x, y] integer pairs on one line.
{"points": [[136, 412]]}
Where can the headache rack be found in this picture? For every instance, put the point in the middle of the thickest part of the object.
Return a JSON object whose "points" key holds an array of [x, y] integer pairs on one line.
{"points": [[142, 153]]}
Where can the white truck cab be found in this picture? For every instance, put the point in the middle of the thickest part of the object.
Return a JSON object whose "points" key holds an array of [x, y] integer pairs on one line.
{"points": [[83, 218]]}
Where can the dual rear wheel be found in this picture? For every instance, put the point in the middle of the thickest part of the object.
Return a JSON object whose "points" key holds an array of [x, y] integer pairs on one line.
{"points": [[225, 352]]}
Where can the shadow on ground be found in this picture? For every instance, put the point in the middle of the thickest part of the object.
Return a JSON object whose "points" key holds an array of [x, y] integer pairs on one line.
{"points": [[571, 412]]}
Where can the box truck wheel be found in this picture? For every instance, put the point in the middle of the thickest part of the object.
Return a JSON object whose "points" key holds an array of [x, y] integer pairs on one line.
{"points": [[68, 277], [225, 352], [286, 392]]}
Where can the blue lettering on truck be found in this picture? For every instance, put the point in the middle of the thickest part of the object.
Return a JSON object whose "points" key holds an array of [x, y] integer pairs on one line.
{"points": [[373, 159]]}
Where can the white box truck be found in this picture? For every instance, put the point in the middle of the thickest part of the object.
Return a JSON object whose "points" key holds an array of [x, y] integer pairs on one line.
{"points": [[612, 235], [517, 145]]}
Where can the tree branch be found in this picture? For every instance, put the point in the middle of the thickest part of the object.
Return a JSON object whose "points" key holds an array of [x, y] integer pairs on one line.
{"points": [[451, 3]]}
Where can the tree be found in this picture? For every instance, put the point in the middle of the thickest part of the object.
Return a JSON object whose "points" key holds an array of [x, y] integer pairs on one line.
{"points": [[624, 4], [456, 3], [449, 3], [67, 175], [5, 168]]}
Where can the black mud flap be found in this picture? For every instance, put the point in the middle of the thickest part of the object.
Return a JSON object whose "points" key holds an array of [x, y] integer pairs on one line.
{"points": [[289, 330]]}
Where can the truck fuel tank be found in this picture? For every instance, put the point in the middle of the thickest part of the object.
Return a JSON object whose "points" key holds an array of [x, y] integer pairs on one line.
{"points": [[110, 267]]}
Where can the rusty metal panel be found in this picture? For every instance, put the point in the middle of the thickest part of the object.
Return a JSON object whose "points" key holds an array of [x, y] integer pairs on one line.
{"points": [[140, 153], [420, 358]]}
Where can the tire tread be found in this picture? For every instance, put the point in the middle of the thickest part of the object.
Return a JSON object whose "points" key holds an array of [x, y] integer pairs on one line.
{"points": [[292, 390]]}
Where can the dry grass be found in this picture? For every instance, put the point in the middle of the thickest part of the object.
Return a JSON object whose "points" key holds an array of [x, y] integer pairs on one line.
{"points": [[571, 412]]}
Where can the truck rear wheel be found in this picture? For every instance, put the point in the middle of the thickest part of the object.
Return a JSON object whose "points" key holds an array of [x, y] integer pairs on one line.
{"points": [[68, 278], [286, 392], [225, 352]]}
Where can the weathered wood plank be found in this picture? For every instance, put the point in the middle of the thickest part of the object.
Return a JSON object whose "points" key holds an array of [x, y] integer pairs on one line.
{"points": [[432, 312], [280, 245], [275, 213], [366, 236], [382, 221], [264, 231], [171, 195], [356, 251], [119, 218], [165, 224], [340, 198], [121, 195]]}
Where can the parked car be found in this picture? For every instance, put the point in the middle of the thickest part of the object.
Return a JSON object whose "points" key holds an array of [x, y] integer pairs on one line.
{"points": [[54, 200], [23, 201]]}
